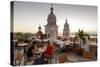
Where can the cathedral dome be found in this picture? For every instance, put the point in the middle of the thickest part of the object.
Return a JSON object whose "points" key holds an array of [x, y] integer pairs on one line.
{"points": [[66, 30], [39, 34], [51, 17], [66, 25]]}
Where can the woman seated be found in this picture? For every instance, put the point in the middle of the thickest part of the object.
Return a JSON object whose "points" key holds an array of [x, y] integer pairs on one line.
{"points": [[30, 52], [50, 52]]}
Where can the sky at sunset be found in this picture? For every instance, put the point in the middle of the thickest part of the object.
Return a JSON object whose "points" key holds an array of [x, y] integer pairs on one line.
{"points": [[29, 15]]}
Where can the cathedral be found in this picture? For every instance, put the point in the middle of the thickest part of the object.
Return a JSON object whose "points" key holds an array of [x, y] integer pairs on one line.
{"points": [[51, 29]]}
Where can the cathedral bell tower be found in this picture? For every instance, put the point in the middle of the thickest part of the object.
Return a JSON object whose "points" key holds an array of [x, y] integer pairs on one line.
{"points": [[66, 30], [51, 29]]}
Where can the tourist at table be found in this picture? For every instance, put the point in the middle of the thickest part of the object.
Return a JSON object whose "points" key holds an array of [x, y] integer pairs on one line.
{"points": [[50, 51], [29, 52], [39, 60]]}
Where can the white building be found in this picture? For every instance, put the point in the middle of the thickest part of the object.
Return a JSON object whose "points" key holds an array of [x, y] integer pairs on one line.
{"points": [[51, 29]]}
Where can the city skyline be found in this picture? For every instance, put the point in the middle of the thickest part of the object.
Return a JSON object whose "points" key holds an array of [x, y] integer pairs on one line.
{"points": [[29, 15]]}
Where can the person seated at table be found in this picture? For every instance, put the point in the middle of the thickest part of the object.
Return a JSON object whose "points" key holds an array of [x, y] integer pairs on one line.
{"points": [[43, 49], [39, 60], [29, 52], [50, 51]]}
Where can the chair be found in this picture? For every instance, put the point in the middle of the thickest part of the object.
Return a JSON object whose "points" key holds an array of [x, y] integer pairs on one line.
{"points": [[89, 55], [62, 58], [79, 51], [18, 58]]}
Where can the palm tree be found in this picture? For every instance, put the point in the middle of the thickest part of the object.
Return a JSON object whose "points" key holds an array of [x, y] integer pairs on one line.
{"points": [[81, 36]]}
